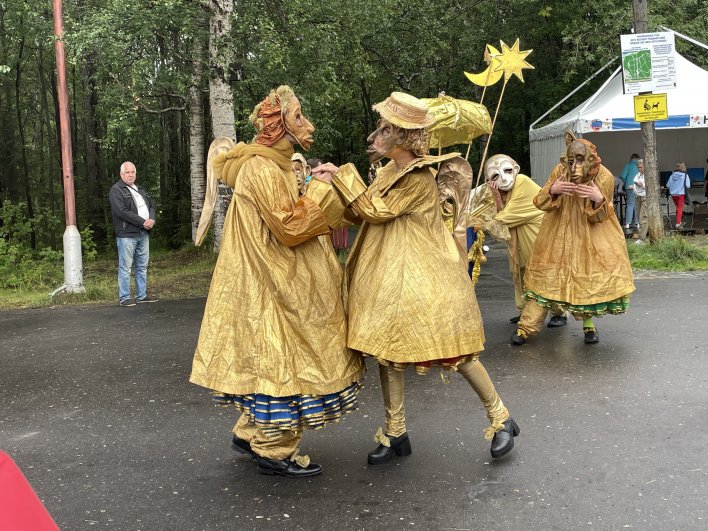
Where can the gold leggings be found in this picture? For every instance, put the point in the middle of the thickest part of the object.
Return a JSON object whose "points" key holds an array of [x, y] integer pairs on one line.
{"points": [[393, 385], [277, 448]]}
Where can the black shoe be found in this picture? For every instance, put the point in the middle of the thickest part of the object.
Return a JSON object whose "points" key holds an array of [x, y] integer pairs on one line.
{"points": [[243, 447], [517, 338], [515, 319], [591, 335], [286, 468], [557, 320], [400, 446], [503, 440], [147, 298], [127, 303]]}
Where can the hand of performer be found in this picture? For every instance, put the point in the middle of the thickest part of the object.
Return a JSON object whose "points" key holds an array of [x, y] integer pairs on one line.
{"points": [[590, 191], [563, 188], [325, 171], [496, 195]]}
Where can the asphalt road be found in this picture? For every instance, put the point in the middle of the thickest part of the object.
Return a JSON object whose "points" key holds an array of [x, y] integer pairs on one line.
{"points": [[96, 409]]}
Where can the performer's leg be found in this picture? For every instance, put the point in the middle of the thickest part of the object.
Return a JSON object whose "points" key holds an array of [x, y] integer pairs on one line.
{"points": [[280, 446], [530, 322], [394, 438], [589, 330], [503, 429], [392, 387]]}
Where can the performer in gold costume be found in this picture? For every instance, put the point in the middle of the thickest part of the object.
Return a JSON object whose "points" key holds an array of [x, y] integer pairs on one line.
{"points": [[513, 195], [273, 337], [410, 301], [579, 262]]}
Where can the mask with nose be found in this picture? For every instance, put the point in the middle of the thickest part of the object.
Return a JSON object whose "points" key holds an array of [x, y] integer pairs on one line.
{"points": [[503, 170]]}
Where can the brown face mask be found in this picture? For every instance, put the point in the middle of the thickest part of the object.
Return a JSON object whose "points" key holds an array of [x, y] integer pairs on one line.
{"points": [[578, 160], [297, 125], [386, 137]]}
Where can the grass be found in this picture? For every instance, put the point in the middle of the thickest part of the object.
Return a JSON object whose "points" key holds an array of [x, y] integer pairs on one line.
{"points": [[674, 253], [186, 273], [179, 274]]}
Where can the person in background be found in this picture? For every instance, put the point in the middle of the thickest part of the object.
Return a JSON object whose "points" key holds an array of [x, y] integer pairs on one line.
{"points": [[640, 190], [705, 183], [133, 218], [301, 171], [677, 184], [628, 173], [312, 164]]}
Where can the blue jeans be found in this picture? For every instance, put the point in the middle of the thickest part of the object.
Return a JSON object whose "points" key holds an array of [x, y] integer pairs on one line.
{"points": [[131, 250], [631, 217]]}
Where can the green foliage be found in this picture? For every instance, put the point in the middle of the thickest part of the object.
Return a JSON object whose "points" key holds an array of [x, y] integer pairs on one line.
{"points": [[674, 253]]}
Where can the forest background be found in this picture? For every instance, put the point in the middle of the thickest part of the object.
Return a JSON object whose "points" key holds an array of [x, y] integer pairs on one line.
{"points": [[153, 81]]}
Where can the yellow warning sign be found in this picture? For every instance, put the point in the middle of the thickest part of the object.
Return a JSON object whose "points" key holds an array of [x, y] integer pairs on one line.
{"points": [[650, 108]]}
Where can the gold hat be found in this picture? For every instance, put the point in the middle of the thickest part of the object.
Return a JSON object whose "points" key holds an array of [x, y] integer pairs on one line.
{"points": [[405, 111]]}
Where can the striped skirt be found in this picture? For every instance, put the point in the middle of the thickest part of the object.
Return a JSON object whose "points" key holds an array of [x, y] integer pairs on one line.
{"points": [[292, 413]]}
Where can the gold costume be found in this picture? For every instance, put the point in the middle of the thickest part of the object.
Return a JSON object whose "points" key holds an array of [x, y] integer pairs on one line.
{"points": [[580, 256], [410, 299], [523, 219], [274, 321]]}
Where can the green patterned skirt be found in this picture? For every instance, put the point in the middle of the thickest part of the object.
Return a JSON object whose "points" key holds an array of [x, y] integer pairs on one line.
{"points": [[581, 311]]}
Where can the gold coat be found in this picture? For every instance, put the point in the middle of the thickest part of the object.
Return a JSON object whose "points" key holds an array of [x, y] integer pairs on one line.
{"points": [[523, 219], [274, 320], [409, 296], [580, 256]]}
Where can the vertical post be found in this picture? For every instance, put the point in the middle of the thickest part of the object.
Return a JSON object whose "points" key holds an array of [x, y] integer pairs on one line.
{"points": [[73, 268], [651, 173]]}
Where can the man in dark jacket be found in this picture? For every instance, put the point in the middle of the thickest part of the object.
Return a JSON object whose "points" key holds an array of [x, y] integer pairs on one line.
{"points": [[133, 219]]}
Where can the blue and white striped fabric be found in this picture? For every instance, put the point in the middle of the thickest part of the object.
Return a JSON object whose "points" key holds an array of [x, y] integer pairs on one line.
{"points": [[293, 413]]}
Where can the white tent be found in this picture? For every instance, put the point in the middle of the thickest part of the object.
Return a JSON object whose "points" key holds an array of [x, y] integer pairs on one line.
{"points": [[607, 120]]}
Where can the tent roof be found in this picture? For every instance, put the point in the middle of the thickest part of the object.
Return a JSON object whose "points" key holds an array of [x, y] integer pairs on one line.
{"points": [[609, 109]]}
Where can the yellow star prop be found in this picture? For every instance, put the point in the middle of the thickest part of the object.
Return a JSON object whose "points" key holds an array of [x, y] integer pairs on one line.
{"points": [[512, 61]]}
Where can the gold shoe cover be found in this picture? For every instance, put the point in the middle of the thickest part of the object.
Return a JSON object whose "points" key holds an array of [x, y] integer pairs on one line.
{"points": [[477, 376]]}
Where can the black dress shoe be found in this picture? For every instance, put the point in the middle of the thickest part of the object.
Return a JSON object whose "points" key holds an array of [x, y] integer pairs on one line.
{"points": [[591, 335], [400, 446], [557, 320], [286, 468], [503, 440], [515, 319], [517, 338], [242, 447]]}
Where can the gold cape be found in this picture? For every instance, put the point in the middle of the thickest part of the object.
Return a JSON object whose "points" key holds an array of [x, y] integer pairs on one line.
{"points": [[523, 219], [409, 296], [274, 320], [580, 255]]}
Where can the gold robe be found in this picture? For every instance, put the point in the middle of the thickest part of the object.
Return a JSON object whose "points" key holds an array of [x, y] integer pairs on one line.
{"points": [[274, 320], [409, 296], [523, 220], [580, 256]]}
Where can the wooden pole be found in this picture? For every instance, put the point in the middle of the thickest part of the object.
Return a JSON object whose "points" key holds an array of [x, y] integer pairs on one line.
{"points": [[651, 173]]}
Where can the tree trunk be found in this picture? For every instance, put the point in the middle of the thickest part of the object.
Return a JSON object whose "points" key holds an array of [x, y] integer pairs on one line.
{"points": [[21, 131], [221, 99], [651, 175], [95, 197], [196, 136]]}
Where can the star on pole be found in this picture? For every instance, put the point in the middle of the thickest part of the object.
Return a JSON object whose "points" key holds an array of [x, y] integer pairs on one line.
{"points": [[512, 61]]}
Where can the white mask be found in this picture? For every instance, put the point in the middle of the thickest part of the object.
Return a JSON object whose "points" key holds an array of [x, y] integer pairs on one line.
{"points": [[502, 169]]}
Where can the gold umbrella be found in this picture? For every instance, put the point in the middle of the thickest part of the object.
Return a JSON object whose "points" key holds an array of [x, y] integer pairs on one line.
{"points": [[456, 121]]}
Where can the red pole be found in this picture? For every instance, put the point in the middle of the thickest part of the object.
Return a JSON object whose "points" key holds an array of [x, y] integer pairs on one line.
{"points": [[67, 167]]}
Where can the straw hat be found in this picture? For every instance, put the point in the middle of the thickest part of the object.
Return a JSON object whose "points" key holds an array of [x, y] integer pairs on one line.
{"points": [[405, 111]]}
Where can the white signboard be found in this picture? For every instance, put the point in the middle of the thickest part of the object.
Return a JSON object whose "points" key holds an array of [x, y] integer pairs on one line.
{"points": [[648, 62]]}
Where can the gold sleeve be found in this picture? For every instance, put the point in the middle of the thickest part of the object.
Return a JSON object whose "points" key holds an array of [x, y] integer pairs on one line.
{"points": [[544, 200], [601, 213], [290, 223], [329, 201], [372, 206]]}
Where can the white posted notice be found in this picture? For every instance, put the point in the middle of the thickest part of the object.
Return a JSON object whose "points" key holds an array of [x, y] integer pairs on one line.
{"points": [[648, 62]]}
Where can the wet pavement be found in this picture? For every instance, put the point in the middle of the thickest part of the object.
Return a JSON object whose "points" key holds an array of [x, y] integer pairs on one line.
{"points": [[96, 409]]}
